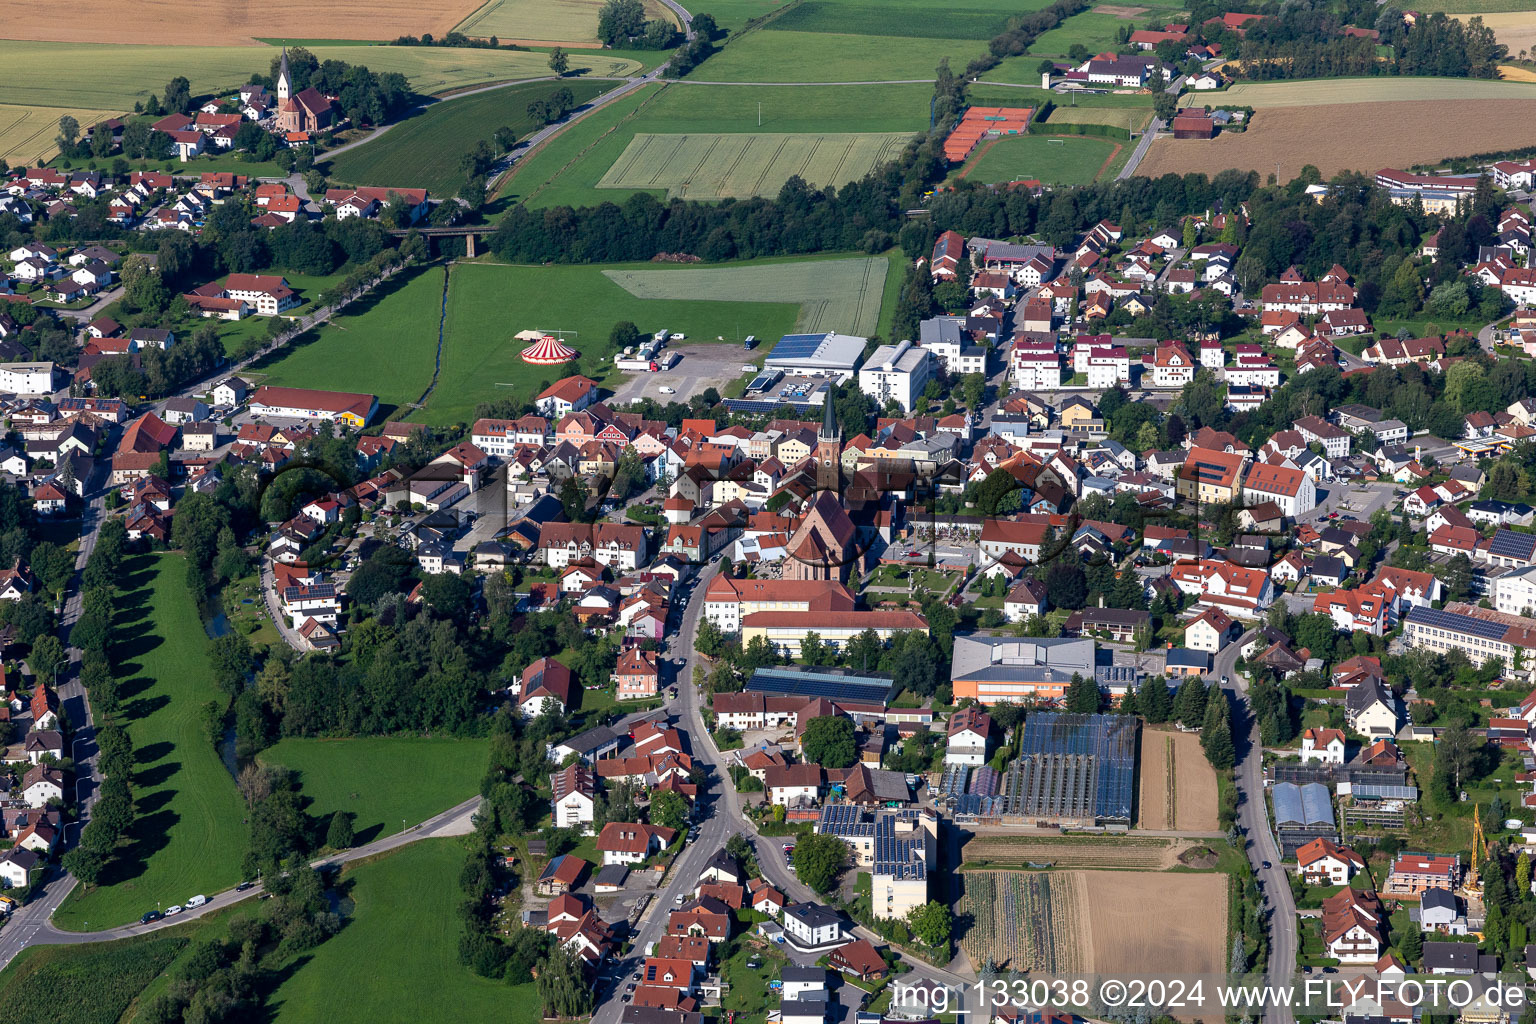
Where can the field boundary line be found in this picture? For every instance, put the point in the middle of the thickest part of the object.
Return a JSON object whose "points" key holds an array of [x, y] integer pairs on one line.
{"points": [[523, 162]]}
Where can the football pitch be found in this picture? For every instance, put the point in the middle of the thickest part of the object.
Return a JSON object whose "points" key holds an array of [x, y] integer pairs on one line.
{"points": [[737, 166]]}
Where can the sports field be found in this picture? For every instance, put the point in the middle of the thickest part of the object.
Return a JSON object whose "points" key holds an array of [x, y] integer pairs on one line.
{"points": [[1130, 118], [1063, 160], [114, 77], [738, 166], [188, 835], [488, 304], [554, 21], [424, 151], [383, 345], [178, 23], [1317, 92], [27, 133], [382, 780], [556, 176], [403, 931], [834, 295]]}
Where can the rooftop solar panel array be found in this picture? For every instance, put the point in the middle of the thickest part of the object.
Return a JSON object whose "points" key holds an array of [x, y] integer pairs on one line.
{"points": [[899, 855], [1434, 618], [831, 686], [797, 346]]}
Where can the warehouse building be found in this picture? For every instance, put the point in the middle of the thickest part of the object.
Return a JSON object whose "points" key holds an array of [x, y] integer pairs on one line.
{"points": [[833, 355]]}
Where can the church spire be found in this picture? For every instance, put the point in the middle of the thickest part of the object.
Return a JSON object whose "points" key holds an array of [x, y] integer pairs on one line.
{"points": [[829, 427], [284, 80]]}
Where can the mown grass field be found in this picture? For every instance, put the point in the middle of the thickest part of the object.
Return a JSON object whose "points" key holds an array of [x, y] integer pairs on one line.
{"points": [[397, 957], [556, 176], [382, 780], [27, 134], [834, 295], [187, 835], [1071, 160], [1093, 29], [95, 77], [545, 20], [383, 345], [857, 17], [1319, 92], [740, 166], [424, 151], [1131, 118], [488, 304], [772, 55]]}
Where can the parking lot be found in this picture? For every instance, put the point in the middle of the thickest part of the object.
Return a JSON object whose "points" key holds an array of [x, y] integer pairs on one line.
{"points": [[701, 366]]}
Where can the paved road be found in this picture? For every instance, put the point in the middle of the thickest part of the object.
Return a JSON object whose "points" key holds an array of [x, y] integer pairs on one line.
{"points": [[90, 312], [1253, 820]]}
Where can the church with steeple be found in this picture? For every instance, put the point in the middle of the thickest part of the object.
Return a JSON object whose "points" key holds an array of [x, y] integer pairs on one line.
{"points": [[825, 544], [307, 110], [829, 449]]}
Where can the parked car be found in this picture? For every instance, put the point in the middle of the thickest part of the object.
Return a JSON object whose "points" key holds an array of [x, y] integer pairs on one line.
{"points": [[150, 915], [196, 901], [173, 910], [243, 886]]}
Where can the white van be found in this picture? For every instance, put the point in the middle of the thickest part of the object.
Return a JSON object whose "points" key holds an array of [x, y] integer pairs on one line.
{"points": [[196, 901]]}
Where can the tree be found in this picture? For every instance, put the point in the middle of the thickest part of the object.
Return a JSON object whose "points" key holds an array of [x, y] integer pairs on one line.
{"points": [[709, 640], [1083, 695], [669, 809], [1456, 754], [932, 923], [559, 61], [563, 989], [829, 742], [84, 863], [47, 657], [624, 335], [1411, 945], [178, 95], [1216, 735], [339, 835], [1155, 701], [820, 858], [812, 650], [1066, 585], [69, 132], [1045, 67]]}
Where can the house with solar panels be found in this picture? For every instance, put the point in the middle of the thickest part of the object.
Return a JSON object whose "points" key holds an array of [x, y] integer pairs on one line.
{"points": [[898, 847], [831, 355], [1302, 813], [1480, 634], [1073, 771]]}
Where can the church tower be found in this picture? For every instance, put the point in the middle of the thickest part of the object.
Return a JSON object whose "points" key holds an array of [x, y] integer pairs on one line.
{"points": [[284, 82], [829, 448]]}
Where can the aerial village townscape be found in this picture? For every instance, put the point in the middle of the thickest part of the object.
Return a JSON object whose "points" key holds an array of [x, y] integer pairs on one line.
{"points": [[784, 512]]}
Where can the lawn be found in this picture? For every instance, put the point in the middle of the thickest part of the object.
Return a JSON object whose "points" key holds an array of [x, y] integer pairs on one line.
{"points": [[740, 166], [397, 957], [424, 151], [383, 779], [488, 304], [385, 345], [188, 835], [101, 77], [979, 22], [835, 295], [1316, 92], [749, 997], [545, 20], [27, 133], [778, 56], [1055, 161], [1092, 29], [568, 170]]}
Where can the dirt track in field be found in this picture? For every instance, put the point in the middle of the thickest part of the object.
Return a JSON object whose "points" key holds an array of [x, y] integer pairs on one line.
{"points": [[1352, 136], [229, 22]]}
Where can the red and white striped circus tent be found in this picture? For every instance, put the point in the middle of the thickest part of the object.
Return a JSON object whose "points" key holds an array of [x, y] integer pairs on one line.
{"points": [[548, 351]]}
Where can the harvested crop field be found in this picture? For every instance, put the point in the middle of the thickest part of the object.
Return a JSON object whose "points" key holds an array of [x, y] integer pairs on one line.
{"points": [[194, 23], [1178, 785], [546, 20], [1331, 91], [1078, 922], [1378, 135], [27, 134], [1132, 118], [737, 166], [1142, 853]]}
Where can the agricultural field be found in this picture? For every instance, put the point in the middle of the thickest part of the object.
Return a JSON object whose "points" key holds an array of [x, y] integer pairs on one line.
{"points": [[488, 304], [739, 166], [775, 56], [857, 17], [1129, 118], [1096, 28], [1054, 160], [1356, 91], [572, 22], [1379, 134], [1178, 785], [27, 133], [191, 23], [1478, 6], [404, 927], [556, 176], [382, 780], [91, 984], [424, 150], [385, 345], [1515, 30], [188, 835], [115, 77], [1080, 922], [834, 295], [1124, 852]]}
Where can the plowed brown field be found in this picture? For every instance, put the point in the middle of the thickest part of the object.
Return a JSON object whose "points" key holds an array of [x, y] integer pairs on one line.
{"points": [[1185, 801], [220, 22], [1352, 136]]}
